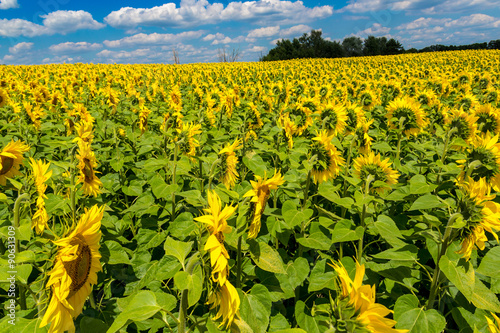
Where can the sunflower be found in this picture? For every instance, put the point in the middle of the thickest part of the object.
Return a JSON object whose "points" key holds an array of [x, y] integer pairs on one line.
{"points": [[175, 99], [4, 98], [328, 158], [465, 124], [493, 327], [364, 141], [75, 270], [228, 163], [87, 163], [369, 315], [488, 119], [228, 301], [254, 119], [301, 117], [185, 138], [261, 189], [41, 175], [379, 169], [487, 151], [333, 118], [143, 119], [407, 113], [11, 157], [355, 117], [84, 131], [216, 221], [480, 214]]}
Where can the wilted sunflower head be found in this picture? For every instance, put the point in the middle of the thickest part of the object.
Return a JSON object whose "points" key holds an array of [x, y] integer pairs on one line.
{"points": [[11, 157]]}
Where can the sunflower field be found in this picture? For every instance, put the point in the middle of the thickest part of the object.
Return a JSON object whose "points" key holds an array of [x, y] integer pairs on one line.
{"points": [[339, 195]]}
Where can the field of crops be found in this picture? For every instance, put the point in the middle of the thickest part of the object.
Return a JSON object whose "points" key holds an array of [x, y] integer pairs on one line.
{"points": [[345, 195]]}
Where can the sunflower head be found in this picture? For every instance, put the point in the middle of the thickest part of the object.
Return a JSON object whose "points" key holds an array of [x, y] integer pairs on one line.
{"points": [[4, 98], [11, 158], [378, 170], [328, 159], [334, 118], [407, 114], [228, 163], [87, 163], [465, 124], [488, 119]]}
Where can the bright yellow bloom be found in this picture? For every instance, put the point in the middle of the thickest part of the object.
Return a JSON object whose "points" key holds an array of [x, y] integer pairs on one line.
{"points": [[480, 213], [4, 98], [143, 119], [333, 118], [380, 170], [408, 114], [11, 157], [87, 163], [328, 158], [364, 141], [261, 189], [228, 164], [362, 297], [216, 221], [465, 124], [228, 302], [186, 140], [74, 271], [41, 175], [488, 119]]}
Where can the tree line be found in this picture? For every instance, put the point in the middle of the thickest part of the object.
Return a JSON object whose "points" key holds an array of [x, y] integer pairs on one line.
{"points": [[313, 45]]}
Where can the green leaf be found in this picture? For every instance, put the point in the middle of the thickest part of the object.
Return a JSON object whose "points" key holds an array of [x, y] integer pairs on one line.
{"points": [[316, 240], [192, 282], [321, 278], [345, 231], [426, 202], [160, 189], [255, 308], [182, 226], [410, 316], [255, 163], [142, 306], [193, 197], [297, 272], [92, 325], [134, 189], [418, 185], [113, 253], [178, 249], [484, 298], [406, 253], [490, 264], [461, 276], [388, 230], [294, 217], [22, 325], [265, 257], [304, 320]]}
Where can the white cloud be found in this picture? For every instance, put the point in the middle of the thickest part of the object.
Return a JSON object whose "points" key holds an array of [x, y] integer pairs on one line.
{"points": [[71, 47], [200, 12], [296, 30], [473, 20], [376, 29], [153, 39], [257, 49], [63, 59], [210, 37], [20, 47], [264, 32], [58, 22], [452, 6], [8, 4]]}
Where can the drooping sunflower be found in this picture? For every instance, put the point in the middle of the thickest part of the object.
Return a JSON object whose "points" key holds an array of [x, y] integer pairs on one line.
{"points": [[301, 117], [485, 150], [87, 175], [406, 112], [74, 272], [143, 119], [41, 174], [228, 163], [364, 141], [480, 214], [488, 119], [11, 157], [380, 171], [328, 158], [227, 300], [261, 189], [333, 118], [355, 117], [84, 131], [360, 299]]}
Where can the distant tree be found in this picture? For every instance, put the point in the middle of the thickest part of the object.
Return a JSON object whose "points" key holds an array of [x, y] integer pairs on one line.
{"points": [[494, 44], [175, 56], [412, 50], [225, 56], [371, 46], [394, 47], [353, 46]]}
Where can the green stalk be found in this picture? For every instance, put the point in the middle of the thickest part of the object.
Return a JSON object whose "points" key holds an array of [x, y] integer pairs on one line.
{"points": [[346, 171], [437, 270], [445, 150], [400, 136], [363, 216], [17, 206], [238, 264], [193, 261], [72, 185], [306, 189], [172, 216]]}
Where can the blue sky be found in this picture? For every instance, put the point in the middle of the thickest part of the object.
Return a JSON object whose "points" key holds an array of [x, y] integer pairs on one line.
{"points": [[146, 31]]}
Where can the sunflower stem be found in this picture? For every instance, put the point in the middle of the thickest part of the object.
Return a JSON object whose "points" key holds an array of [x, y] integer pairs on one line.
{"points": [[437, 270], [445, 150], [400, 136], [359, 253], [346, 172], [192, 263], [306, 189], [72, 185], [174, 169], [17, 206], [238, 264]]}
